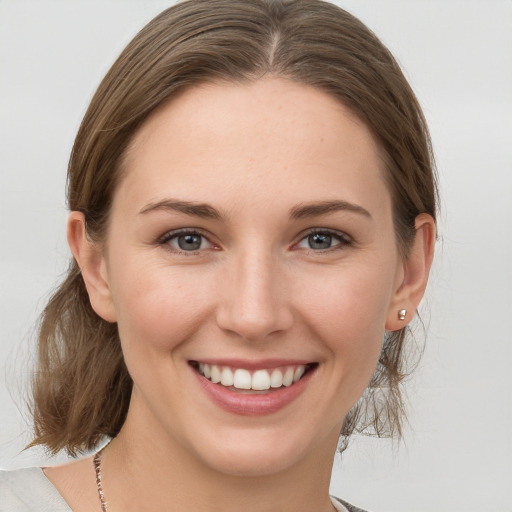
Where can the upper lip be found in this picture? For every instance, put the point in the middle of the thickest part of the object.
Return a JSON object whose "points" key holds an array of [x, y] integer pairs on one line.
{"points": [[253, 364]]}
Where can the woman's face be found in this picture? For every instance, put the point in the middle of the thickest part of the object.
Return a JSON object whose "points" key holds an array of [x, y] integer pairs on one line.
{"points": [[251, 239]]}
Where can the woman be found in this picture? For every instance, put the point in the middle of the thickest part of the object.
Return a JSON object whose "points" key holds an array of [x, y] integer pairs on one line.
{"points": [[252, 222]]}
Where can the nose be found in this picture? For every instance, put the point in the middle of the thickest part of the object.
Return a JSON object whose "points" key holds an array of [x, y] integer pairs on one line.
{"points": [[254, 300]]}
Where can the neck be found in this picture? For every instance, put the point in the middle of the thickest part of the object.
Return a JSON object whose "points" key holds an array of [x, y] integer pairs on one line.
{"points": [[146, 471]]}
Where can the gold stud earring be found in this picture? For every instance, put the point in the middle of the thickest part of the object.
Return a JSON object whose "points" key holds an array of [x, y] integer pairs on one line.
{"points": [[401, 314]]}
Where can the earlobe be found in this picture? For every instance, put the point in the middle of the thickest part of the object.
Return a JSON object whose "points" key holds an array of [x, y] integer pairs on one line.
{"points": [[416, 270], [89, 257]]}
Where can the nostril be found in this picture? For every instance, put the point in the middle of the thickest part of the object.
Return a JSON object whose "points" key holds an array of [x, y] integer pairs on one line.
{"points": [[254, 324]]}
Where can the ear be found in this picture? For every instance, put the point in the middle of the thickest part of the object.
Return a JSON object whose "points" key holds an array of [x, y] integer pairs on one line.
{"points": [[414, 275], [91, 260]]}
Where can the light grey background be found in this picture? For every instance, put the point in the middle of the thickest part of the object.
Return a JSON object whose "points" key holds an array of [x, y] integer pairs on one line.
{"points": [[457, 454]]}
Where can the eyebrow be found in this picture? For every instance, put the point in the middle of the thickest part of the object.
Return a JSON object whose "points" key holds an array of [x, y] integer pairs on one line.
{"points": [[324, 207], [301, 211], [202, 210]]}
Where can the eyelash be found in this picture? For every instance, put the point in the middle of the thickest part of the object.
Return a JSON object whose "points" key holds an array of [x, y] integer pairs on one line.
{"points": [[174, 235], [342, 238]]}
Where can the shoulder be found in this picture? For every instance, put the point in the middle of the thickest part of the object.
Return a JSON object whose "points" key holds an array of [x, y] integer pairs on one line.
{"points": [[28, 490], [348, 506]]}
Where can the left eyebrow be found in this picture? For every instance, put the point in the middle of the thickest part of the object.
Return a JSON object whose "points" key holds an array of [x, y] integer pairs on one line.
{"points": [[321, 208]]}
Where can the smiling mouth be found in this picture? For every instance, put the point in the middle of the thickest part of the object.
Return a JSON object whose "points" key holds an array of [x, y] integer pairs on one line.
{"points": [[262, 380]]}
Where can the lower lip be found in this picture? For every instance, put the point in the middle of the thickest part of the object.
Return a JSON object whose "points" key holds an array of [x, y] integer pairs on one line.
{"points": [[253, 405]]}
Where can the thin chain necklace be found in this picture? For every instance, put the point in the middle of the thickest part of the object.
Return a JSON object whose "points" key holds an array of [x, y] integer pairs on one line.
{"points": [[97, 468], [99, 486]]}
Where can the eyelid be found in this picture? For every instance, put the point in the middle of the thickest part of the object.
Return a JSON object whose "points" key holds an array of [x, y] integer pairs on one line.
{"points": [[169, 235], [181, 231], [163, 240], [343, 238]]}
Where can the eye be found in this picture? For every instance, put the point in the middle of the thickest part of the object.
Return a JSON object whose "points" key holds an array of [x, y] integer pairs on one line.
{"points": [[319, 240], [186, 241]]}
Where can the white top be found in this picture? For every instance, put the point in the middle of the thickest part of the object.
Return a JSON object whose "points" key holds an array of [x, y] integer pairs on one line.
{"points": [[28, 490]]}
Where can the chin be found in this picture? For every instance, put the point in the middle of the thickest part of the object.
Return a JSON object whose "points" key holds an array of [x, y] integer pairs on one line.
{"points": [[262, 452], [252, 462]]}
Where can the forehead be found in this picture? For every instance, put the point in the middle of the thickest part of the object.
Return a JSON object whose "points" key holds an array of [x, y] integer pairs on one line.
{"points": [[266, 139]]}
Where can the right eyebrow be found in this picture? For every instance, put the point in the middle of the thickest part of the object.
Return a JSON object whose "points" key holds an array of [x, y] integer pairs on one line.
{"points": [[203, 210]]}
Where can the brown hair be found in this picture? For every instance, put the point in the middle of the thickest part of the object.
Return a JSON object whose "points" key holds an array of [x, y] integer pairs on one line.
{"points": [[81, 389]]}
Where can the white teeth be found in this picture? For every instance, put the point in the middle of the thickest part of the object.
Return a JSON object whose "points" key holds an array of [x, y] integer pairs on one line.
{"points": [[242, 379], [215, 374], [276, 379], [288, 377], [299, 372], [226, 377], [260, 380]]}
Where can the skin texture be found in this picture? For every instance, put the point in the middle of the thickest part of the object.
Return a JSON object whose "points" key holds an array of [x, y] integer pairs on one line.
{"points": [[254, 290]]}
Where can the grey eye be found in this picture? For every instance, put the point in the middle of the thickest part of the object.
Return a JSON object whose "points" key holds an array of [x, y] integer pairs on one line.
{"points": [[319, 241], [189, 242], [186, 241], [323, 240]]}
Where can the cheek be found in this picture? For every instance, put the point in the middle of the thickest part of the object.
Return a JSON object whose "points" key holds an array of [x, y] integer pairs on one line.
{"points": [[158, 308], [348, 313]]}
